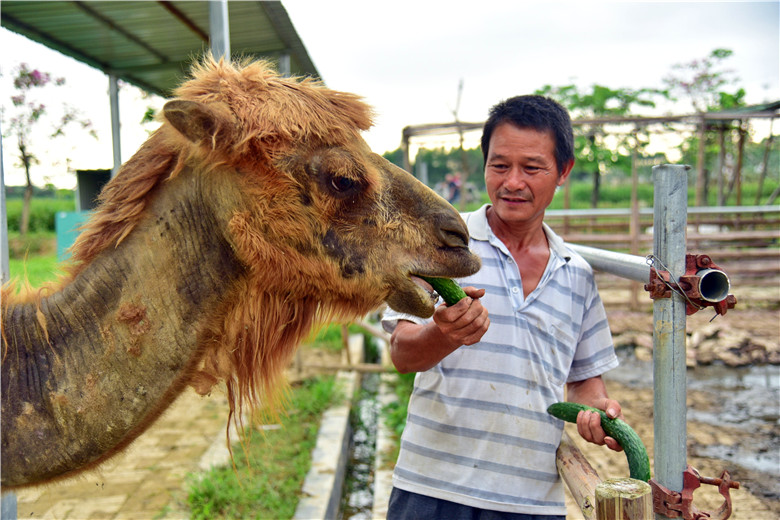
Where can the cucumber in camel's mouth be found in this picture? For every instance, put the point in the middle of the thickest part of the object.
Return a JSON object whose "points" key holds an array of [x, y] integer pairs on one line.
{"points": [[447, 289]]}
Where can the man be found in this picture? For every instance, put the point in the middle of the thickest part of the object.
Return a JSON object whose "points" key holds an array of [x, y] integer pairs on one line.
{"points": [[478, 442]]}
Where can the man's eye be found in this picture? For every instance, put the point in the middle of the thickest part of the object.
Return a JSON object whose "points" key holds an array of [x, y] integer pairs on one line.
{"points": [[342, 184]]}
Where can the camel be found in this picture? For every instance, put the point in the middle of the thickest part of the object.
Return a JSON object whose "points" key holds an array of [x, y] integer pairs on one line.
{"points": [[255, 212]]}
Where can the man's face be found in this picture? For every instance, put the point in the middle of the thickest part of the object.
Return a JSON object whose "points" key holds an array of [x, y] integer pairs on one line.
{"points": [[521, 174]]}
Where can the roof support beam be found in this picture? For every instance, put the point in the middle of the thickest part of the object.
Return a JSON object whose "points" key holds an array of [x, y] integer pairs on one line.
{"points": [[192, 26], [114, 27]]}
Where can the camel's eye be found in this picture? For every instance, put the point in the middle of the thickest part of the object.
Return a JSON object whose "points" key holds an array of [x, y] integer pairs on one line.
{"points": [[342, 184], [337, 174]]}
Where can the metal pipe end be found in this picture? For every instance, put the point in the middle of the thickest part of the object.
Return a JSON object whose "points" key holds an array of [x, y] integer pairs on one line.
{"points": [[714, 285]]}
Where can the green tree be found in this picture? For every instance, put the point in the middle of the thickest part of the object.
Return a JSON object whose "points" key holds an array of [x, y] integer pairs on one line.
{"points": [[27, 114], [594, 155], [708, 86]]}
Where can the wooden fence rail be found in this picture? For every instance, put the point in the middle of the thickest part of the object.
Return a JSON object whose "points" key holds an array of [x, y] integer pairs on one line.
{"points": [[744, 240]]}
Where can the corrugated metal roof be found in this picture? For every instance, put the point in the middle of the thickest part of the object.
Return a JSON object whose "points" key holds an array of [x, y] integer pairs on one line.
{"points": [[151, 44]]}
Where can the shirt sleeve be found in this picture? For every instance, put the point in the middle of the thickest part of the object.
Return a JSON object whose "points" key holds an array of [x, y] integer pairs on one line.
{"points": [[390, 319], [595, 352]]}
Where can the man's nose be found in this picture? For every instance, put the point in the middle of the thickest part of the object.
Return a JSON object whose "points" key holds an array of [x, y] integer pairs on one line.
{"points": [[516, 179]]}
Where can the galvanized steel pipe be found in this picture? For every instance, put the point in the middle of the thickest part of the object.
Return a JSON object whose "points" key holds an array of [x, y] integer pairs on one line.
{"points": [[713, 284], [621, 264], [669, 318]]}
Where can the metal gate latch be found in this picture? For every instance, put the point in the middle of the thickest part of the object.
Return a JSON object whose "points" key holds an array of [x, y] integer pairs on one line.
{"points": [[673, 504], [704, 284]]}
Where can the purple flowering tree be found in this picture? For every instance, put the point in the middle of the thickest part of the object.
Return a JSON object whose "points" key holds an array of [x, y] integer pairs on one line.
{"points": [[26, 115]]}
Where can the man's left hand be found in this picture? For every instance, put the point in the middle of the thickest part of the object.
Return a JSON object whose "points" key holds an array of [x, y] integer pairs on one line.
{"points": [[589, 424]]}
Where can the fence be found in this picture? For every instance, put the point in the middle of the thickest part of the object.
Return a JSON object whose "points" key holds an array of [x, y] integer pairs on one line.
{"points": [[747, 238], [670, 224]]}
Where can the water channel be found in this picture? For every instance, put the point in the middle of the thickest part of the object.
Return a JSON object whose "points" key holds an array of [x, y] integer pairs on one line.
{"points": [[358, 498]]}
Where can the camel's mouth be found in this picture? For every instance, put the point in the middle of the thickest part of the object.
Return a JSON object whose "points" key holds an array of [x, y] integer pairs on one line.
{"points": [[425, 286], [412, 295], [408, 293]]}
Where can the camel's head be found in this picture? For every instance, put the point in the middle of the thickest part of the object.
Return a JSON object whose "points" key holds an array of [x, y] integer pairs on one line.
{"points": [[321, 216]]}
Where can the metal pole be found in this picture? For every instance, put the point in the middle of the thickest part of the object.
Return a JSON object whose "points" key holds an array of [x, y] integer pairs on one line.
{"points": [[669, 371], [113, 95], [4, 256], [8, 500], [219, 29], [284, 64]]}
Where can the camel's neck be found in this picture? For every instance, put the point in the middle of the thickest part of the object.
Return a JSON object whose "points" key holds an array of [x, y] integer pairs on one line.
{"points": [[88, 369]]}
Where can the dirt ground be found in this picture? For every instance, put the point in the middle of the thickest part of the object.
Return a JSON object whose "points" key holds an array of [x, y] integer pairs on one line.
{"points": [[757, 499]]}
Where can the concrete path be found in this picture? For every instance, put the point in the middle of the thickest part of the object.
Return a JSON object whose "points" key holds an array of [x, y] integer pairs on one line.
{"points": [[147, 481]]}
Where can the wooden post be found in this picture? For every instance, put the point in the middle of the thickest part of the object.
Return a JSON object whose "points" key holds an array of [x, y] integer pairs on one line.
{"points": [[721, 161], [740, 157], [765, 162], [633, 225], [624, 499], [579, 475], [345, 342], [700, 169]]}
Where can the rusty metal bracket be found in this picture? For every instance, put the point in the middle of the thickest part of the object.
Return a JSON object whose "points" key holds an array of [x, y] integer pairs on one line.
{"points": [[672, 504], [689, 285]]}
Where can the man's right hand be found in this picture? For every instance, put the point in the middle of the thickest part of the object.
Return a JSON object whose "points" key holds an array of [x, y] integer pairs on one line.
{"points": [[465, 322], [416, 348]]}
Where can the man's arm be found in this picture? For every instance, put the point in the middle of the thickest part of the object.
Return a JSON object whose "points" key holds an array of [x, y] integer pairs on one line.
{"points": [[416, 348], [593, 392]]}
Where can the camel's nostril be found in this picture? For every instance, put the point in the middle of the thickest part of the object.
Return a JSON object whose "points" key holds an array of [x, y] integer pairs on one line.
{"points": [[453, 238], [452, 232]]}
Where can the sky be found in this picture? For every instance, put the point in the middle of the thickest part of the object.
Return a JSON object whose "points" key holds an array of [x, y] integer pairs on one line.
{"points": [[407, 59]]}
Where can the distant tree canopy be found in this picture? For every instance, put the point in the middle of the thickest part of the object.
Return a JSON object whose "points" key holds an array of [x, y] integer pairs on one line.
{"points": [[705, 84]]}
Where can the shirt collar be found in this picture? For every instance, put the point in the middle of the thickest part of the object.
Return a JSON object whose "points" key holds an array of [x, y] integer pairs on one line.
{"points": [[478, 226]]}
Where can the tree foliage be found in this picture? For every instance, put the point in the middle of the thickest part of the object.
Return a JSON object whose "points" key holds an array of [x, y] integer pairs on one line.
{"points": [[710, 87], [703, 82], [26, 115], [595, 154]]}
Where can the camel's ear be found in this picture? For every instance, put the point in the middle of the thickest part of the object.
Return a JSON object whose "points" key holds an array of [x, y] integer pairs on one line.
{"points": [[194, 120]]}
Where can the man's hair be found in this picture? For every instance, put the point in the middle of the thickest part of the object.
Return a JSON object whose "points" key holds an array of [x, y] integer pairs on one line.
{"points": [[538, 113]]}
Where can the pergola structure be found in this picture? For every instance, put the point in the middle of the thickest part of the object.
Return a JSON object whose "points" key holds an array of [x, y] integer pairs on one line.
{"points": [[720, 120]]}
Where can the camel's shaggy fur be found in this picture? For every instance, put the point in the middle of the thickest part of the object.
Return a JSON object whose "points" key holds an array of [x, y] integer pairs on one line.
{"points": [[260, 114], [296, 222], [247, 95]]}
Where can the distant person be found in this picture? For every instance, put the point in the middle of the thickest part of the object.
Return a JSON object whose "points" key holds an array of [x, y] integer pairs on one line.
{"points": [[454, 185], [478, 442]]}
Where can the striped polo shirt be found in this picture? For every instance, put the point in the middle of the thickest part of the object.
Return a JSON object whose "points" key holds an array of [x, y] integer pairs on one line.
{"points": [[477, 430]]}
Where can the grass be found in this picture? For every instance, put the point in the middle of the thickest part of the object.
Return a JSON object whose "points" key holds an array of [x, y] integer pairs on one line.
{"points": [[37, 270], [33, 257], [270, 465]]}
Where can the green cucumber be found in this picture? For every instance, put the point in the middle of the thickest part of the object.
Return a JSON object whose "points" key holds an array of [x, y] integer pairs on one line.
{"points": [[447, 289], [636, 453]]}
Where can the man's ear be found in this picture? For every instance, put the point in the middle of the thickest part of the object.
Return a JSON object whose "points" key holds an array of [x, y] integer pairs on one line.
{"points": [[195, 121], [565, 173]]}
